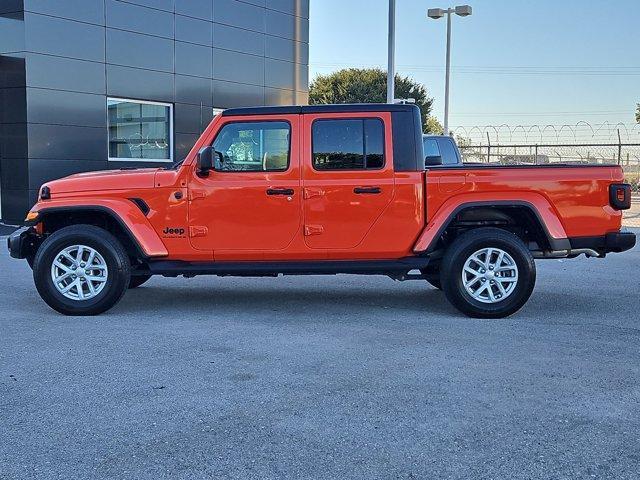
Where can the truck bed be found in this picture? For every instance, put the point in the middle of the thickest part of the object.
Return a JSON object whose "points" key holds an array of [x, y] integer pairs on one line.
{"points": [[576, 195]]}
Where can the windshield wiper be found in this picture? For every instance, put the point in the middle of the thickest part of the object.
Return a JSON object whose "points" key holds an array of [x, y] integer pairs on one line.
{"points": [[176, 165]]}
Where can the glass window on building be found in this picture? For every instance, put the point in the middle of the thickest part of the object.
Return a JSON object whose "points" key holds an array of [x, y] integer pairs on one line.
{"points": [[140, 131]]}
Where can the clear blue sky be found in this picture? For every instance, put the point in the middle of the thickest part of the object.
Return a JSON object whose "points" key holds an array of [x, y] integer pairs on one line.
{"points": [[514, 62]]}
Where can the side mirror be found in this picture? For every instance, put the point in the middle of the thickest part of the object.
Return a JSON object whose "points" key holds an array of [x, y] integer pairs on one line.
{"points": [[432, 160], [205, 161]]}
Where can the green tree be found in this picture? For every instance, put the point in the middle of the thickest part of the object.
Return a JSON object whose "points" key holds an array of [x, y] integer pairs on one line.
{"points": [[369, 85], [433, 126], [638, 113]]}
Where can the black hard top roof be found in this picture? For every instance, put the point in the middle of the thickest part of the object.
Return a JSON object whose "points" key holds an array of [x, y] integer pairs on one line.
{"points": [[300, 109]]}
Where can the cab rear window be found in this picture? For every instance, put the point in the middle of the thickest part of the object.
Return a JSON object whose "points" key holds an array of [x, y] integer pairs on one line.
{"points": [[354, 144]]}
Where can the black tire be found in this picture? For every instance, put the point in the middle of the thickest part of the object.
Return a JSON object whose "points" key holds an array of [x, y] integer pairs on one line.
{"points": [[30, 259], [106, 245], [469, 243], [137, 280]]}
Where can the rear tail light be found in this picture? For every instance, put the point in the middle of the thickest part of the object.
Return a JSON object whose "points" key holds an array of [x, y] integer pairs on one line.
{"points": [[620, 196]]}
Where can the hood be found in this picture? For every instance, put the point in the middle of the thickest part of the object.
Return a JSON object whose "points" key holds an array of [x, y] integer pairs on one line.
{"points": [[104, 180]]}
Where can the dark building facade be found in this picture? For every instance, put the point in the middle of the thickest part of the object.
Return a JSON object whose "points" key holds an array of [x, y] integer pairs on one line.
{"points": [[105, 84]]}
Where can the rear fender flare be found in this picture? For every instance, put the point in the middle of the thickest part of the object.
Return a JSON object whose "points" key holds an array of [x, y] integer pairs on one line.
{"points": [[126, 213], [537, 204]]}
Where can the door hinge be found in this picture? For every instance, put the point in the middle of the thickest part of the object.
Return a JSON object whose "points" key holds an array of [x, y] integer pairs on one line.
{"points": [[310, 192], [196, 231], [196, 194], [313, 230]]}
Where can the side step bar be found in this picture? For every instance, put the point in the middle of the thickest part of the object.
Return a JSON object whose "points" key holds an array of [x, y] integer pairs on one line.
{"points": [[173, 268]]}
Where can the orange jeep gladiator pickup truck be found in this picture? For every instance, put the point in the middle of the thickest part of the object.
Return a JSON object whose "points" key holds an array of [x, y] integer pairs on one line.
{"points": [[319, 190]]}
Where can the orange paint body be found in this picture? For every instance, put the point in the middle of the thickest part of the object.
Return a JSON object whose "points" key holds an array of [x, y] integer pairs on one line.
{"points": [[226, 216], [572, 201]]}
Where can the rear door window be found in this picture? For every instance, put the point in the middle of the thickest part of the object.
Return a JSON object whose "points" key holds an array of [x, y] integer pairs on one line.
{"points": [[356, 144]]}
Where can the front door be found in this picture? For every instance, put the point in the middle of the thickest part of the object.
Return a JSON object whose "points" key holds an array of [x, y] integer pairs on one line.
{"points": [[348, 178], [251, 201]]}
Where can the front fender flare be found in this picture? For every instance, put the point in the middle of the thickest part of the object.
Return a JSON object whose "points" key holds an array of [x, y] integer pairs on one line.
{"points": [[125, 212]]}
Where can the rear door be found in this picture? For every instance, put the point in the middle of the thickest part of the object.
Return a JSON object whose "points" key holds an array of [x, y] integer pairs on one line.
{"points": [[348, 178]]}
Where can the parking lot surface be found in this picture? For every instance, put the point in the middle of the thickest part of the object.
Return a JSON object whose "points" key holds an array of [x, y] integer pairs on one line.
{"points": [[324, 377]]}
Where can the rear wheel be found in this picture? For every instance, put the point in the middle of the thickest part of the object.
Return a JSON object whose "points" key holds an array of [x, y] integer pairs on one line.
{"points": [[488, 273], [81, 270]]}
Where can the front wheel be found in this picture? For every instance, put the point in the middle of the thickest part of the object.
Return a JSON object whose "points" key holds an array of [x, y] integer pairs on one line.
{"points": [[488, 273], [81, 270]]}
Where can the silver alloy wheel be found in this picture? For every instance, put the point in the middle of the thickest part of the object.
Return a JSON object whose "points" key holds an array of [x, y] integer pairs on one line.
{"points": [[79, 272], [490, 275]]}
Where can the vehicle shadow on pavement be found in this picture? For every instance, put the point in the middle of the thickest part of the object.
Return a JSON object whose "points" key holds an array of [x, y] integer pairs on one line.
{"points": [[296, 301], [348, 299]]}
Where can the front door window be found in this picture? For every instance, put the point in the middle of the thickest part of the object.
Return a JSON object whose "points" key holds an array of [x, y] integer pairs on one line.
{"points": [[253, 147]]}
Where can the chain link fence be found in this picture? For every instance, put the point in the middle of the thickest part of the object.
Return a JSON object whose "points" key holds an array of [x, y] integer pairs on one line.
{"points": [[627, 155]]}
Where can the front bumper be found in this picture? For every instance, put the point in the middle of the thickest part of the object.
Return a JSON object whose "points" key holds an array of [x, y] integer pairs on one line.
{"points": [[615, 242], [23, 242]]}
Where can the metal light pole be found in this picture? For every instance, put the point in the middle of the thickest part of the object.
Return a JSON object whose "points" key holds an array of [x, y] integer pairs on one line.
{"points": [[435, 13], [391, 69]]}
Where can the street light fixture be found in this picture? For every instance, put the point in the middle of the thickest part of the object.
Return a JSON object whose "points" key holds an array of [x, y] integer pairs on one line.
{"points": [[436, 13]]}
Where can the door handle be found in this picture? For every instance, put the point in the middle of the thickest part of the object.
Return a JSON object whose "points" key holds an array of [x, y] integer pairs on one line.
{"points": [[367, 190], [280, 191]]}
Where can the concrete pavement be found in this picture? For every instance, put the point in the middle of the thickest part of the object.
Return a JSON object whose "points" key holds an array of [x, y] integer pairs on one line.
{"points": [[324, 377]]}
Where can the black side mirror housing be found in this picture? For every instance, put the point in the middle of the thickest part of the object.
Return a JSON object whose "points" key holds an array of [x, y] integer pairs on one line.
{"points": [[205, 161], [435, 160]]}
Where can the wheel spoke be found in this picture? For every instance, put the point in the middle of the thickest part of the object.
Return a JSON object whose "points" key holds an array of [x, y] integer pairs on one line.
{"points": [[492, 297], [76, 278], [66, 255], [68, 288], [92, 278], [471, 270], [482, 275], [480, 290], [80, 290], [63, 277], [506, 268], [62, 266], [477, 260], [472, 281], [487, 258]]}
